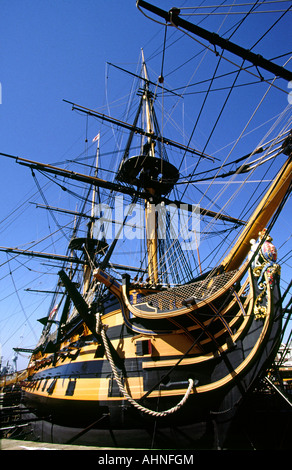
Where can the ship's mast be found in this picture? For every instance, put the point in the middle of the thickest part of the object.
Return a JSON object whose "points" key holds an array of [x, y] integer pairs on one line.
{"points": [[95, 189], [89, 246], [150, 215], [150, 172]]}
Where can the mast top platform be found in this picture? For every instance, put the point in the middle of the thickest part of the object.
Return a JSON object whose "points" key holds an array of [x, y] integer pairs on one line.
{"points": [[149, 172]]}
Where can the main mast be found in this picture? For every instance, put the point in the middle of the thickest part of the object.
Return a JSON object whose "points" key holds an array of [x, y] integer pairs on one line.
{"points": [[152, 173], [150, 216]]}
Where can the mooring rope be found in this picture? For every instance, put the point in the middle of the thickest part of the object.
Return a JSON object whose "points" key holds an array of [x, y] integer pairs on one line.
{"points": [[126, 394]]}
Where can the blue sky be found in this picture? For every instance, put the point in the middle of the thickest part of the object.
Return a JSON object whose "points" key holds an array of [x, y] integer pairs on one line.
{"points": [[54, 50], [50, 51]]}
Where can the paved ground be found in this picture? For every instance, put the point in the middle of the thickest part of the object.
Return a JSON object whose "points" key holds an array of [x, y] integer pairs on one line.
{"points": [[11, 444]]}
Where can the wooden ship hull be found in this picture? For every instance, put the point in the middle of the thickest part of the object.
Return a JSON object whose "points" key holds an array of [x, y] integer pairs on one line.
{"points": [[167, 381], [134, 365], [152, 367]]}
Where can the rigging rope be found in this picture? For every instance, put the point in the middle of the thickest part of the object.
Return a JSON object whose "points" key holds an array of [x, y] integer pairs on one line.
{"points": [[46, 202], [20, 302]]}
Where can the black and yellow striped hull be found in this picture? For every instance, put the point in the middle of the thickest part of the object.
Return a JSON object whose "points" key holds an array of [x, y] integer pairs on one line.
{"points": [[223, 355]]}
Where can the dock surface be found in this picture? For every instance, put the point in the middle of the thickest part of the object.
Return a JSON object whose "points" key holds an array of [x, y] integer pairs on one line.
{"points": [[12, 444]]}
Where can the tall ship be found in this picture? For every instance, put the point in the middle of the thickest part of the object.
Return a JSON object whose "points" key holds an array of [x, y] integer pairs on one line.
{"points": [[168, 307]]}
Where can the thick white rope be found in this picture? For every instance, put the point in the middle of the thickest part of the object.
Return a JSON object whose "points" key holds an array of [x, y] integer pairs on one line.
{"points": [[129, 398]]}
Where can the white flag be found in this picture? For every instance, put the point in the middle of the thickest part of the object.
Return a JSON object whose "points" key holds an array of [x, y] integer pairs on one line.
{"points": [[96, 137], [53, 312]]}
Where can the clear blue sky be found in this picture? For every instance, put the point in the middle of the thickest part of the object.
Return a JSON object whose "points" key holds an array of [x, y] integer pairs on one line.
{"points": [[50, 51], [53, 50]]}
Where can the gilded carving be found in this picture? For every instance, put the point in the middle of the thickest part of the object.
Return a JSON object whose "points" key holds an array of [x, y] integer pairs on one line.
{"points": [[261, 265]]}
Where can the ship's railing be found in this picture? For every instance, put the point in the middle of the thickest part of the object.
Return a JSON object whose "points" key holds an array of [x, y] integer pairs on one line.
{"points": [[196, 291]]}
